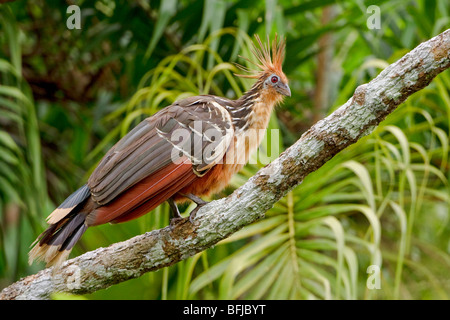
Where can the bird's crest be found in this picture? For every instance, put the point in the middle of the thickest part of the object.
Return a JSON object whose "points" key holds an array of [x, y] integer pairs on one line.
{"points": [[270, 59]]}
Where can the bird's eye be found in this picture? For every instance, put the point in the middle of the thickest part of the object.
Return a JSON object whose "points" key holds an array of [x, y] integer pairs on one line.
{"points": [[274, 79]]}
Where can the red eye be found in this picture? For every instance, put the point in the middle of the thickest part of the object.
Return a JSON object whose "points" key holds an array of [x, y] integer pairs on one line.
{"points": [[274, 79]]}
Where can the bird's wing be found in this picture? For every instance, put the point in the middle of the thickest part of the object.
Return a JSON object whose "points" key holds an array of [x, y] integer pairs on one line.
{"points": [[197, 130]]}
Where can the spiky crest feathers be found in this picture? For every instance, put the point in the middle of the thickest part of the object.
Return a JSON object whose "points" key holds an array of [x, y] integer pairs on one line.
{"points": [[270, 59]]}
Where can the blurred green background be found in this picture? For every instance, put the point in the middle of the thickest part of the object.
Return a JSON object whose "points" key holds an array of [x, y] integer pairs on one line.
{"points": [[67, 95]]}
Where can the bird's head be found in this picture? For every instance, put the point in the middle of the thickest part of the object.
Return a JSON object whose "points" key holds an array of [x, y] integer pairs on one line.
{"points": [[272, 81]]}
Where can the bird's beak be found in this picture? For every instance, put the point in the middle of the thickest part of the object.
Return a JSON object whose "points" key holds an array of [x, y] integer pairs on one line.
{"points": [[283, 89]]}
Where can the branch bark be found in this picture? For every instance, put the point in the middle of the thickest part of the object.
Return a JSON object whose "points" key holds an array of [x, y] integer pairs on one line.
{"points": [[359, 116]]}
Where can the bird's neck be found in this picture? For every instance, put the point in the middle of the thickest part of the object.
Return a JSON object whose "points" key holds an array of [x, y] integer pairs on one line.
{"points": [[253, 109], [250, 114]]}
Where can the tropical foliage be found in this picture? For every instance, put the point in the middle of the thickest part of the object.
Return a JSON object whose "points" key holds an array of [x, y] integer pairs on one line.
{"points": [[67, 95]]}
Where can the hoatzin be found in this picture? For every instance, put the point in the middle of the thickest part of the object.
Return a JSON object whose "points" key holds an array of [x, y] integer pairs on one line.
{"points": [[185, 151]]}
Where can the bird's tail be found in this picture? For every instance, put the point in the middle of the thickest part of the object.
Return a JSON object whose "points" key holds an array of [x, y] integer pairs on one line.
{"points": [[67, 225]]}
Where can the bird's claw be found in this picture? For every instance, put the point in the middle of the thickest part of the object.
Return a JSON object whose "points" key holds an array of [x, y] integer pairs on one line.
{"points": [[194, 212]]}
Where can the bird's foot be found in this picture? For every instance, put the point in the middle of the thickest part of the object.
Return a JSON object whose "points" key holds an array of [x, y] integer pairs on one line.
{"points": [[176, 216], [194, 212], [198, 201]]}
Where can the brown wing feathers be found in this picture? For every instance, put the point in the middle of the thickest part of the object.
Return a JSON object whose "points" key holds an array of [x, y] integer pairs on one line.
{"points": [[145, 190], [170, 185]]}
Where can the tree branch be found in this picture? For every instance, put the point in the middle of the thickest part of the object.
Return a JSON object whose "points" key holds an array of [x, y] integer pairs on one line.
{"points": [[359, 116]]}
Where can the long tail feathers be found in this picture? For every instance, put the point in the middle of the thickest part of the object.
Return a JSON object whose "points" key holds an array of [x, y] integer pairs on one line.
{"points": [[67, 225]]}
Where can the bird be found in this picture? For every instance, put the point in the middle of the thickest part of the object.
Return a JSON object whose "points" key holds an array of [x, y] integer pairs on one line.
{"points": [[184, 152]]}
